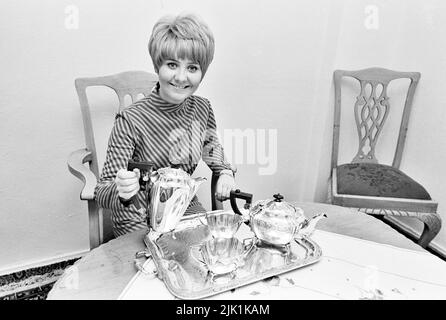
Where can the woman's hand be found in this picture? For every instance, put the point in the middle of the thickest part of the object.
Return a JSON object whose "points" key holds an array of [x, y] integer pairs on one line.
{"points": [[127, 183], [225, 184]]}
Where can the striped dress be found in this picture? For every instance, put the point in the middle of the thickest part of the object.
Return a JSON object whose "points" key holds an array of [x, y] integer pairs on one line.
{"points": [[156, 131]]}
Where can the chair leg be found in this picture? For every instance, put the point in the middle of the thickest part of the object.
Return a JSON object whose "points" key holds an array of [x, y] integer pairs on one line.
{"points": [[94, 224], [432, 222], [329, 192], [432, 225]]}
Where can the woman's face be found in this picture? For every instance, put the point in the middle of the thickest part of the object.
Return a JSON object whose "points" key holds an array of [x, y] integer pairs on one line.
{"points": [[178, 79]]}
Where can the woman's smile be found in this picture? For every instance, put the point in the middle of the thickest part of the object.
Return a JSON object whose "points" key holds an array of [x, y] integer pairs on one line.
{"points": [[179, 86], [178, 79]]}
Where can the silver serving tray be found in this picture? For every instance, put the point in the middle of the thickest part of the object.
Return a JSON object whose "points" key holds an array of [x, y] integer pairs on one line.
{"points": [[186, 277]]}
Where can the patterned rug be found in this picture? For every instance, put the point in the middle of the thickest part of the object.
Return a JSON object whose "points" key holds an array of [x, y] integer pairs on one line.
{"points": [[32, 284]]}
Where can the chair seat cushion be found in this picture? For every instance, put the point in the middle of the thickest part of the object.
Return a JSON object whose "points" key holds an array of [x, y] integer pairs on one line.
{"points": [[377, 180]]}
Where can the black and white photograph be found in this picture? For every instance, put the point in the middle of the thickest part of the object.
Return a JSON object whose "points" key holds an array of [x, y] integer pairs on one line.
{"points": [[235, 151]]}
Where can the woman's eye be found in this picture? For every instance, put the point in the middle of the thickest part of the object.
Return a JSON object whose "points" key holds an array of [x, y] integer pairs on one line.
{"points": [[171, 65], [193, 68]]}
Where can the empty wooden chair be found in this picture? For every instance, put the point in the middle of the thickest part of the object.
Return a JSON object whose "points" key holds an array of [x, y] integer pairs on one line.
{"points": [[375, 188]]}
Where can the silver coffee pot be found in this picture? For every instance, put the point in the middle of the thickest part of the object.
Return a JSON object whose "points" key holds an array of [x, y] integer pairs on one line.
{"points": [[171, 191]]}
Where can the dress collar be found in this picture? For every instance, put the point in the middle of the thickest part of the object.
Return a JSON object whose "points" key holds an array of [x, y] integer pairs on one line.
{"points": [[163, 104]]}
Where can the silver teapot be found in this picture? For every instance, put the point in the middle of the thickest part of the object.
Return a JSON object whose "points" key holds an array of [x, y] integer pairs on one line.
{"points": [[274, 221], [170, 194]]}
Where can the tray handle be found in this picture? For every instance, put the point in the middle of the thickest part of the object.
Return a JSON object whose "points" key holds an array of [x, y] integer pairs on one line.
{"points": [[142, 265]]}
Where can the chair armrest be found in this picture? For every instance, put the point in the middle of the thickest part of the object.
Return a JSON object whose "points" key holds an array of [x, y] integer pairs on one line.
{"points": [[215, 203], [76, 166]]}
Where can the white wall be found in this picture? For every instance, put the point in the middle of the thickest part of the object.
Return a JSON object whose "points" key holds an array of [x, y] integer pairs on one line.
{"points": [[272, 70]]}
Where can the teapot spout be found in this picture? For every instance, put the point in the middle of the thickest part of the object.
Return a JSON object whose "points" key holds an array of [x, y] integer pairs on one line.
{"points": [[309, 225], [195, 185]]}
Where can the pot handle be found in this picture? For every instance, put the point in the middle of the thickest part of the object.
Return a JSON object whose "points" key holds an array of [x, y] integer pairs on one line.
{"points": [[241, 195], [142, 266], [146, 169]]}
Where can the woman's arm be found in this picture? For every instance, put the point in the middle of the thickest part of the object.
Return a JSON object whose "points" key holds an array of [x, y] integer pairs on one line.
{"points": [[214, 157], [121, 146], [213, 153]]}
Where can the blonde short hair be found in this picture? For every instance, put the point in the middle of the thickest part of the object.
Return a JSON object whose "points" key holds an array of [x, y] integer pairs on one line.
{"points": [[179, 37]]}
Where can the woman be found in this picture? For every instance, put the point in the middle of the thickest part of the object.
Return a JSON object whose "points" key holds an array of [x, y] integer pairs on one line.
{"points": [[169, 127]]}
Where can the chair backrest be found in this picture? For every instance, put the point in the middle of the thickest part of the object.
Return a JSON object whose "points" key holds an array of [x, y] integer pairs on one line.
{"points": [[371, 111], [130, 83]]}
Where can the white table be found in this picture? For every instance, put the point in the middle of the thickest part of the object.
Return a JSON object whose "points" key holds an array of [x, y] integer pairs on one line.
{"points": [[106, 271]]}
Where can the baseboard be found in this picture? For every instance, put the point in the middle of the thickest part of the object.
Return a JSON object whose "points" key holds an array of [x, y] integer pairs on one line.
{"points": [[44, 262], [413, 234]]}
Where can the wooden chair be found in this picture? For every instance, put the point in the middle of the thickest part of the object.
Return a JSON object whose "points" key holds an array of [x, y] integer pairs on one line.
{"points": [[373, 188], [131, 83]]}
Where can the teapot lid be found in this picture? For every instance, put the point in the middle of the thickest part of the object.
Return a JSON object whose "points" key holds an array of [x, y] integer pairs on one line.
{"points": [[277, 207], [278, 204], [169, 173]]}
